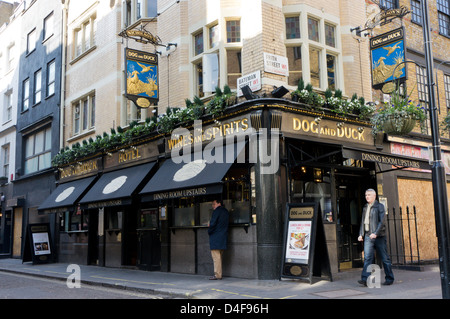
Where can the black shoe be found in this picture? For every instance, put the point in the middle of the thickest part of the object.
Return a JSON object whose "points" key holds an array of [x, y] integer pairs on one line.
{"points": [[214, 278], [362, 282], [387, 283]]}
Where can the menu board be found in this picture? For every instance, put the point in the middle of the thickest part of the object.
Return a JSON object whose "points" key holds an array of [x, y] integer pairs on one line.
{"points": [[37, 247], [305, 252]]}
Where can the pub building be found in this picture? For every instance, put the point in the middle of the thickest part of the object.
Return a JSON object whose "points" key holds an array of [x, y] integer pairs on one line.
{"points": [[148, 205]]}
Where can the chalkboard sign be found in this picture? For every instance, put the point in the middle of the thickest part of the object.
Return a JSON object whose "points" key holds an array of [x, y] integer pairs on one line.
{"points": [[37, 244], [305, 251]]}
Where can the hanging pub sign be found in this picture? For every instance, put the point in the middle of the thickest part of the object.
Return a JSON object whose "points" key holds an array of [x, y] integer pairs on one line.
{"points": [[305, 251], [37, 244], [388, 51], [141, 77]]}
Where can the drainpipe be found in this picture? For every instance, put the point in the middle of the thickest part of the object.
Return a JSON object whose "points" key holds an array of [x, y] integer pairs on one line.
{"points": [[65, 4]]}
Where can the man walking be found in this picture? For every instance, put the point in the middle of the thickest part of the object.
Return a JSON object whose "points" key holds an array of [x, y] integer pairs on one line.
{"points": [[372, 232], [218, 233]]}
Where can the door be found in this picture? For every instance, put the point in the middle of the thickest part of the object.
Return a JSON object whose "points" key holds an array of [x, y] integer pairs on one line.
{"points": [[149, 236], [93, 241], [17, 232], [350, 201]]}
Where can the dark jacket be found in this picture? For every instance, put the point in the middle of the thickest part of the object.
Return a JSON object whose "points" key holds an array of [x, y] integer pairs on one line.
{"points": [[377, 222], [218, 228]]}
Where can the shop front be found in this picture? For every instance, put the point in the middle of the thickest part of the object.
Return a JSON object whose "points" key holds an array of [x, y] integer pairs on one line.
{"points": [[151, 209], [111, 207], [182, 193]]}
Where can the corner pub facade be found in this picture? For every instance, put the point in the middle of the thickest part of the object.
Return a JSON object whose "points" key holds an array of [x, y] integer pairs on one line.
{"points": [[139, 207]]}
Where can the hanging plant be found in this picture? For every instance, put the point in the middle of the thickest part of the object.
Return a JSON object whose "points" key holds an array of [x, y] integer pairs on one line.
{"points": [[398, 117]]}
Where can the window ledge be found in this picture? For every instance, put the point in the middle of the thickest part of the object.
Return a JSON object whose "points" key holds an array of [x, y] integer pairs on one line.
{"points": [[79, 57], [81, 135]]}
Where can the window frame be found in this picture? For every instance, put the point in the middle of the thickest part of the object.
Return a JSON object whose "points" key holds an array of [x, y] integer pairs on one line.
{"points": [[31, 42], [304, 42], [416, 12], [25, 94], [49, 20], [6, 151], [443, 11], [37, 91], [81, 122], [46, 149], [51, 80], [80, 48]]}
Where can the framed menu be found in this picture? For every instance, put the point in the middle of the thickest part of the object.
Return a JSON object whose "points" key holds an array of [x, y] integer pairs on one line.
{"points": [[305, 252]]}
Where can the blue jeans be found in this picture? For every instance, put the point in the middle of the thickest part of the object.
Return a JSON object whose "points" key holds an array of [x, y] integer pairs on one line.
{"points": [[379, 244]]}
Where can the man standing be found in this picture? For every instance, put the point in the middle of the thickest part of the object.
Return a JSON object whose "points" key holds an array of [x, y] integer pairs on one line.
{"points": [[218, 233], [372, 232]]}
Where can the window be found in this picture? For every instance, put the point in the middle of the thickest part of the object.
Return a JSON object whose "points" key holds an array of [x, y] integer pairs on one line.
{"points": [[416, 15], [51, 75], [234, 67], [389, 4], [137, 9], [331, 71], [84, 36], [48, 26], [447, 89], [11, 56], [5, 160], [31, 41], [422, 90], [198, 43], [214, 36], [7, 114], [443, 7], [26, 95], [76, 220], [315, 58], [83, 114], [198, 73], [313, 29], [233, 31], [37, 86], [292, 27], [38, 151], [314, 65], [294, 55], [330, 35]]}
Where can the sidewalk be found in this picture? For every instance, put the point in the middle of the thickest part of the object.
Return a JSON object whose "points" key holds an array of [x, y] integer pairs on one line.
{"points": [[408, 284]]}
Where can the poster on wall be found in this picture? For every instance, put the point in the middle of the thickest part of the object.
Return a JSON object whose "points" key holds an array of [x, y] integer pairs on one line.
{"points": [[141, 77], [388, 54], [305, 252]]}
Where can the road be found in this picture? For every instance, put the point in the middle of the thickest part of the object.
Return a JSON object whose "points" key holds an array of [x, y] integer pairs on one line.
{"points": [[18, 286]]}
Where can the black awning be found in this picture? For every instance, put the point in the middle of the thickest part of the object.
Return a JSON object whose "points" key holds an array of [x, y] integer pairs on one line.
{"points": [[66, 195], [398, 161], [196, 177], [116, 187]]}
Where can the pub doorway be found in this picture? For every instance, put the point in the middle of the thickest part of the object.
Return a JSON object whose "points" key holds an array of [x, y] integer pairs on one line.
{"points": [[350, 189]]}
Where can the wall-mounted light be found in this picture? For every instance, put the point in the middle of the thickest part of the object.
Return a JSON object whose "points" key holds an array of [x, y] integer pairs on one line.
{"points": [[248, 94], [279, 92], [317, 175]]}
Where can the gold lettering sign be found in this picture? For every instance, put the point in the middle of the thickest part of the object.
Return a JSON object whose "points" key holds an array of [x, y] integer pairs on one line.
{"points": [[79, 169], [232, 127], [308, 125], [129, 155], [301, 212]]}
